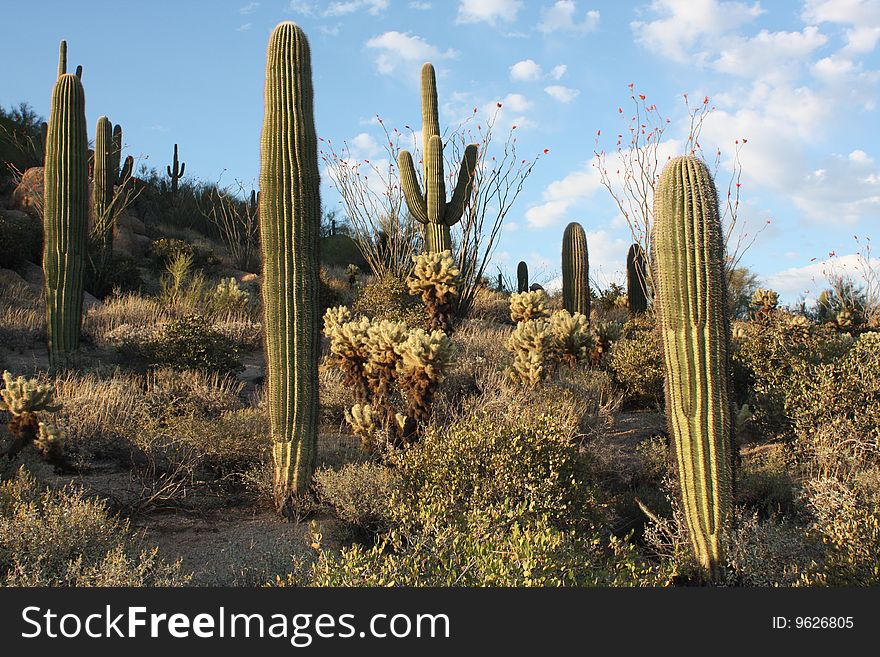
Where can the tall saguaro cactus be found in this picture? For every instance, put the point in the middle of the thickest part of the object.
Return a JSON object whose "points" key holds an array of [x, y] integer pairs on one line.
{"points": [[66, 215], [636, 280], [104, 179], [175, 171], [691, 297], [290, 223], [431, 208], [575, 270], [522, 277]]}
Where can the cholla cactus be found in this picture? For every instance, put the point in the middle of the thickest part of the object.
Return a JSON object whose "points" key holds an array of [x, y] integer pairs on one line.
{"points": [[764, 302], [348, 344], [362, 422], [435, 279], [845, 319], [50, 442], [352, 271], [532, 345], [424, 358], [529, 305], [22, 396], [228, 295], [573, 340], [605, 334]]}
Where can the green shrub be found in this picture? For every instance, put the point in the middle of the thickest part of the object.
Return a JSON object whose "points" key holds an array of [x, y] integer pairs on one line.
{"points": [[61, 538], [852, 542], [637, 361], [191, 343], [21, 240], [120, 274], [389, 298], [764, 481], [360, 493]]}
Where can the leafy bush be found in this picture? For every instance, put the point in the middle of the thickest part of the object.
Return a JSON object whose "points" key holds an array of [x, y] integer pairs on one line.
{"points": [[21, 240], [388, 298], [637, 361], [360, 493], [61, 538], [191, 343], [852, 541]]}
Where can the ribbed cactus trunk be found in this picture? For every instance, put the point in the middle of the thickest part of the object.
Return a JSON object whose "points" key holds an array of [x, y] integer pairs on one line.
{"points": [[102, 185], [575, 270], [522, 277], [431, 208], [290, 222], [65, 216], [691, 300], [175, 171], [636, 280]]}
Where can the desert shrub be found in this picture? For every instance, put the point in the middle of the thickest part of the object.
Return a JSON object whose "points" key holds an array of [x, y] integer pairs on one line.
{"points": [[360, 493], [182, 286], [637, 361], [388, 298], [776, 355], [138, 314], [118, 274], [485, 548], [764, 481], [770, 552], [192, 343], [166, 249], [22, 314], [482, 462], [61, 538], [836, 411], [228, 297], [21, 240]]}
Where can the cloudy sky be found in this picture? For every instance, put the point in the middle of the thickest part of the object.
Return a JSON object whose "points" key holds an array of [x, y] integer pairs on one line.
{"points": [[797, 79]]}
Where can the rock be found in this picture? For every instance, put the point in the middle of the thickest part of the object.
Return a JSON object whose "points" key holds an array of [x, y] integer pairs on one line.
{"points": [[128, 243], [131, 223], [534, 286], [28, 196], [250, 278], [32, 276]]}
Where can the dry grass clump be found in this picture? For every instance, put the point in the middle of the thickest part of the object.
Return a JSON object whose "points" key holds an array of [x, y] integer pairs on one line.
{"points": [[137, 313], [490, 306], [360, 493], [22, 315]]}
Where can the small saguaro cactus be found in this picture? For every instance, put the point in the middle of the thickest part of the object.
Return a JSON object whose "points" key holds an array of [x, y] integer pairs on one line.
{"points": [[431, 208], [121, 175], [636, 280], [175, 171], [290, 225], [103, 182], [65, 215], [575, 270], [691, 297], [522, 277]]}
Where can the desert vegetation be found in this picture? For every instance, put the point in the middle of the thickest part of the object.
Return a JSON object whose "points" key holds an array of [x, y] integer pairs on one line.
{"points": [[224, 386]]}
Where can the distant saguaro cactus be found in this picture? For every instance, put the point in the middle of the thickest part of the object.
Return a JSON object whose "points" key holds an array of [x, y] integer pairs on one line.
{"points": [[636, 280], [290, 224], [103, 181], [66, 215], [522, 277], [691, 298], [121, 175], [62, 61], [431, 208], [575, 270], [175, 171]]}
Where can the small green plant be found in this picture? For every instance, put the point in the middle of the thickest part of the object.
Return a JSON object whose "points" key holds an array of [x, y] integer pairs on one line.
{"points": [[181, 287], [191, 343], [636, 361], [388, 298], [532, 345], [228, 297]]}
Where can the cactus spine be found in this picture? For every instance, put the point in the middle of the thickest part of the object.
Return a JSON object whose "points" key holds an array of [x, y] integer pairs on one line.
{"points": [[522, 277], [692, 307], [636, 280], [431, 208], [575, 270], [290, 222], [103, 180], [175, 171], [66, 215]]}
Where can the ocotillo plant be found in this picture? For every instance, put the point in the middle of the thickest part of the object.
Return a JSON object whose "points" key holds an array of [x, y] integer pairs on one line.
{"points": [[575, 270], [691, 297], [636, 280], [66, 215], [290, 225], [102, 185], [522, 277], [175, 171], [431, 208]]}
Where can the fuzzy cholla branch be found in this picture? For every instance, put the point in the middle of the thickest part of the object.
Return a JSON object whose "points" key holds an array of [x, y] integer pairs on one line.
{"points": [[529, 305], [572, 336], [50, 441], [435, 278], [26, 396], [424, 358], [532, 346]]}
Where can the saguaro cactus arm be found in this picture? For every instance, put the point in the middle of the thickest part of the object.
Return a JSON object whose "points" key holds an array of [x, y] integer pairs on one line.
{"points": [[415, 200], [464, 186], [62, 58]]}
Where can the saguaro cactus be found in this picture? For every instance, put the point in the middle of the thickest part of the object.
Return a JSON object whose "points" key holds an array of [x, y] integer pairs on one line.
{"points": [[636, 280], [290, 224], [431, 208], [62, 61], [575, 270], [103, 180], [690, 294], [175, 171], [121, 175], [66, 215], [522, 277]]}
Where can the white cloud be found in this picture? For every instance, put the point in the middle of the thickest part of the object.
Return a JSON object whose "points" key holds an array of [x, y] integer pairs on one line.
{"points": [[561, 195], [249, 8], [305, 7], [374, 7], [488, 11], [561, 93], [398, 48], [420, 6], [562, 16], [363, 145], [811, 279], [774, 55], [526, 71], [559, 71], [244, 27]]}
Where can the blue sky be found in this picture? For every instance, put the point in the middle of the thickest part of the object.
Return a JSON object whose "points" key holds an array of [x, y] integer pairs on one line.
{"points": [[798, 79]]}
